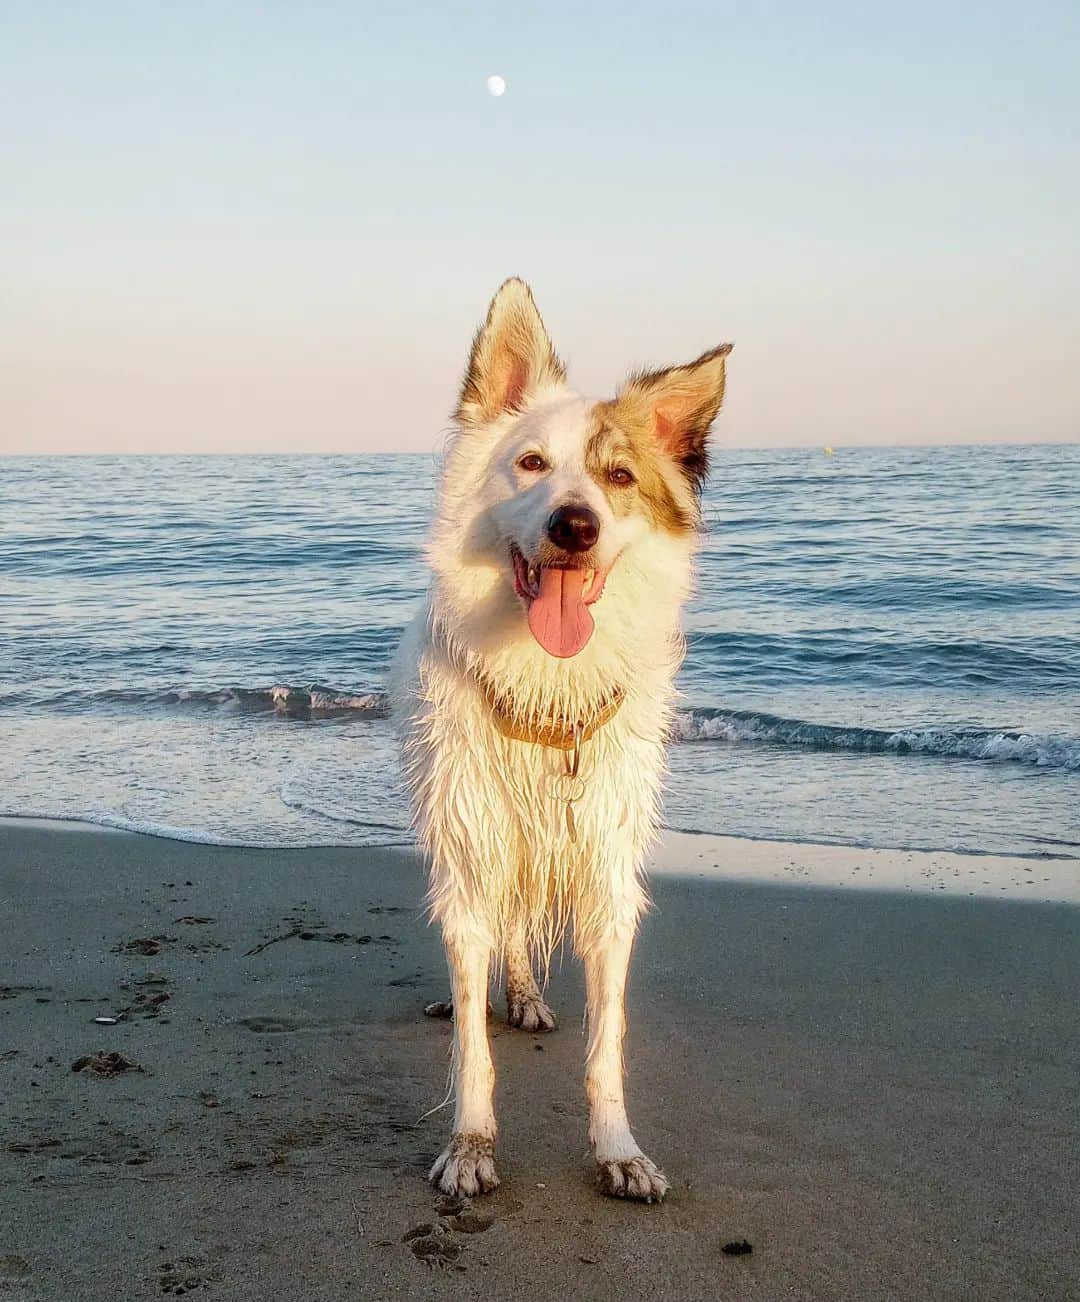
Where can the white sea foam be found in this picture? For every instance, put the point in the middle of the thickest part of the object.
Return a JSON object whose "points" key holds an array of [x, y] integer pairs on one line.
{"points": [[737, 726]]}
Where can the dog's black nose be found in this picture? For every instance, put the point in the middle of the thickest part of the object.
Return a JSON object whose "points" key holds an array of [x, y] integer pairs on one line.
{"points": [[574, 528]]}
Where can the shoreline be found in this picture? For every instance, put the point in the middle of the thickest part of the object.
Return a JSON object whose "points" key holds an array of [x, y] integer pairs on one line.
{"points": [[706, 855]]}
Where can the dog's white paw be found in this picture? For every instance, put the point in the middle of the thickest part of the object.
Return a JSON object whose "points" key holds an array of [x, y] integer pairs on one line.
{"points": [[632, 1177], [529, 1012], [465, 1167]]}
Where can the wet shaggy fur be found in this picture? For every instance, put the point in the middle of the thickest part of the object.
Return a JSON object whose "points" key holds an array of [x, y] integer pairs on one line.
{"points": [[509, 872]]}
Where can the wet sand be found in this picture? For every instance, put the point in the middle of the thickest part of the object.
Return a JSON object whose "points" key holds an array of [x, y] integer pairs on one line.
{"points": [[877, 1090]]}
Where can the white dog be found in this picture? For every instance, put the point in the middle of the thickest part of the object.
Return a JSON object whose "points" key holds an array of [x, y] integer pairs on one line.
{"points": [[534, 694]]}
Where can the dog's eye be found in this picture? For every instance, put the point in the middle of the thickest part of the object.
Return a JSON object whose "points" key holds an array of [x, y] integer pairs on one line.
{"points": [[533, 462], [620, 476]]}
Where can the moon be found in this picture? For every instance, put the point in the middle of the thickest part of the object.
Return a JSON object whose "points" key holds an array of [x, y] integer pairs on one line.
{"points": [[496, 86]]}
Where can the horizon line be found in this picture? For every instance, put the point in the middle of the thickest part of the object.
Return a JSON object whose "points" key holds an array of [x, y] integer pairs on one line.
{"points": [[1070, 441]]}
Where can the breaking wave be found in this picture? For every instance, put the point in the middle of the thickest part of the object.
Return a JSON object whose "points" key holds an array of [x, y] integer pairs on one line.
{"points": [[734, 726], [697, 725], [281, 699]]}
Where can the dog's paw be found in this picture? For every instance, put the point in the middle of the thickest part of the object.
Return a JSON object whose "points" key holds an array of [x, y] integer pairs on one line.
{"points": [[528, 1012], [632, 1177], [465, 1167]]}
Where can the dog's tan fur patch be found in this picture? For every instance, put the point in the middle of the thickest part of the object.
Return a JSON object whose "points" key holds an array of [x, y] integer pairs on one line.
{"points": [[674, 408], [619, 438]]}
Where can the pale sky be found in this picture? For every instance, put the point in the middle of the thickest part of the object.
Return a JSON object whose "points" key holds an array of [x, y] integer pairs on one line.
{"points": [[273, 227]]}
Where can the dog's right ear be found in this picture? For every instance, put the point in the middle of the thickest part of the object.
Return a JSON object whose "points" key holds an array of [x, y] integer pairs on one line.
{"points": [[511, 358]]}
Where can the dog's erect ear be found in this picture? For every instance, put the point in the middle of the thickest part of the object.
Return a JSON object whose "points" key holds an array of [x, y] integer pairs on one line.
{"points": [[511, 358], [678, 405]]}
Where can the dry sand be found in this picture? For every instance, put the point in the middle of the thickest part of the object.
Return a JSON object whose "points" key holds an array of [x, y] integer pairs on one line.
{"points": [[876, 1090]]}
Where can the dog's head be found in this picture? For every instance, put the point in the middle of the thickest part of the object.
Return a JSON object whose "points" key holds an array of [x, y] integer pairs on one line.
{"points": [[548, 496]]}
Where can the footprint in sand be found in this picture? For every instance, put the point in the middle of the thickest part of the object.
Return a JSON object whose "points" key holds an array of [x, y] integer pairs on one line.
{"points": [[186, 1274], [146, 946], [272, 1025], [434, 1242], [433, 1245], [37, 1144]]}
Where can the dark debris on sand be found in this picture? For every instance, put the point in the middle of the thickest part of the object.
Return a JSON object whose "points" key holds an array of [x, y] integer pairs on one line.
{"points": [[105, 1064], [308, 933], [737, 1248]]}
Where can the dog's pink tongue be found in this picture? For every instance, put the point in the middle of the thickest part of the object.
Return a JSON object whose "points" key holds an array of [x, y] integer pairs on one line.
{"points": [[559, 618]]}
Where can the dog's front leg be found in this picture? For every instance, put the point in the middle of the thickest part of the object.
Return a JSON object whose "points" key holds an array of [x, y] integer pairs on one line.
{"points": [[466, 1166], [622, 1169]]}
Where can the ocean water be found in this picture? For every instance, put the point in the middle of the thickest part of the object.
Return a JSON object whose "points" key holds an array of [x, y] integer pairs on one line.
{"points": [[884, 647]]}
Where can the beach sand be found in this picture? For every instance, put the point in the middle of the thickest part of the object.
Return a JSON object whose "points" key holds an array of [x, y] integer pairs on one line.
{"points": [[877, 1089]]}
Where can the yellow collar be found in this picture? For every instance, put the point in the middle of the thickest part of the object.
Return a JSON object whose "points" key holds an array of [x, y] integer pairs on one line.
{"points": [[558, 731]]}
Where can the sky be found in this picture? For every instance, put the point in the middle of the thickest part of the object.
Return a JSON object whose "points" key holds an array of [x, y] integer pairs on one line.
{"points": [[273, 227]]}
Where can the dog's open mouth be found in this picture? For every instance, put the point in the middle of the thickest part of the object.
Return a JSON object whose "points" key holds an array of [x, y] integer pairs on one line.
{"points": [[557, 597]]}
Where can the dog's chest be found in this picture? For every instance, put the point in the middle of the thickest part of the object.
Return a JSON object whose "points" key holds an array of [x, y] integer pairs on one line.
{"points": [[573, 798]]}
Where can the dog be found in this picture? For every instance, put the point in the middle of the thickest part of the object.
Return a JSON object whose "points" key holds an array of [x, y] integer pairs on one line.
{"points": [[533, 695]]}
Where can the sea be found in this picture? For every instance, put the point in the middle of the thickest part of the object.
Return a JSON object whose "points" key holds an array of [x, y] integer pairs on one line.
{"points": [[883, 648]]}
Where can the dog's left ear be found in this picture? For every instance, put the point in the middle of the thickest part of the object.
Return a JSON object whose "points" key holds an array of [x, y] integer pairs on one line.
{"points": [[678, 406], [511, 358]]}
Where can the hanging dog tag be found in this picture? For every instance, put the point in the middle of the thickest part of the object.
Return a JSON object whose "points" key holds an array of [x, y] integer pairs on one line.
{"points": [[567, 786], [571, 825], [571, 764]]}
